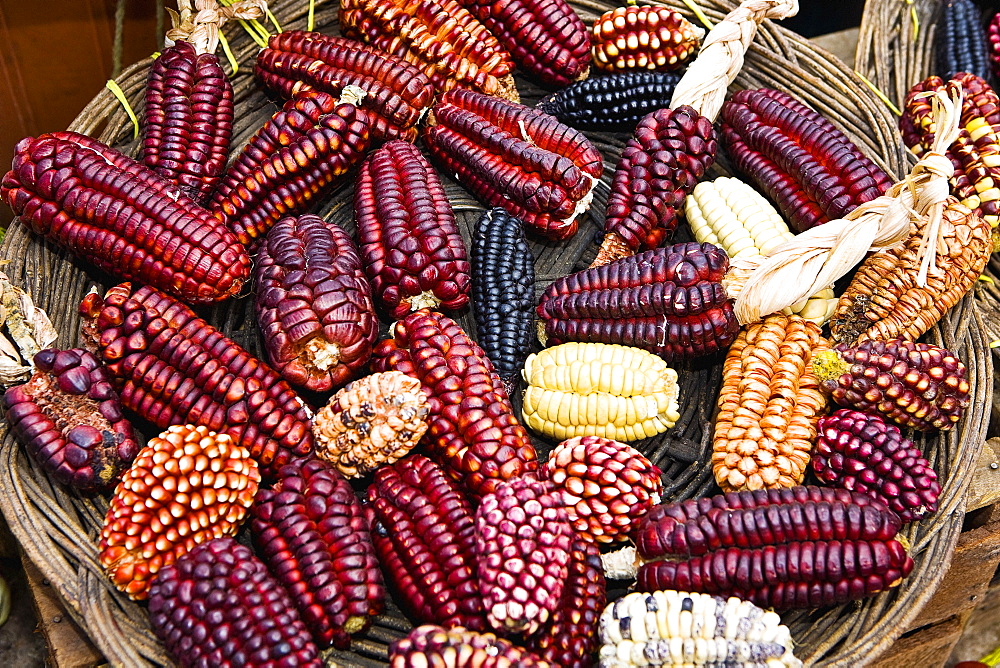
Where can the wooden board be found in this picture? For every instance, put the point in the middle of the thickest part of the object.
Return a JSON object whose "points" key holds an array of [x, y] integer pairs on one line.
{"points": [[984, 490], [68, 646], [927, 648]]}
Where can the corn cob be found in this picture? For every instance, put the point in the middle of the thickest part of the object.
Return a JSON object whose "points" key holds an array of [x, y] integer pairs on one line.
{"points": [[960, 41], [457, 647], [733, 216], [788, 548], [503, 291], [397, 93], [515, 157], [119, 216], [644, 38], [312, 533], [993, 44], [313, 303], [860, 452], [440, 37], [668, 301], [593, 389], [171, 367], [424, 533], [674, 628], [769, 405], [613, 103], [70, 419], [413, 251], [474, 435], [291, 161], [187, 486], [219, 606], [916, 385], [808, 167]]}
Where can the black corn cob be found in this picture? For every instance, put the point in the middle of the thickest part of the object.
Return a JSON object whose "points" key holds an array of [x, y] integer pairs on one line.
{"points": [[612, 103], [503, 291], [960, 44]]}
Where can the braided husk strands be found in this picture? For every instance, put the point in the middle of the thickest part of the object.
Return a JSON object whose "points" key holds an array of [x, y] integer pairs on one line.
{"points": [[57, 528], [200, 24]]}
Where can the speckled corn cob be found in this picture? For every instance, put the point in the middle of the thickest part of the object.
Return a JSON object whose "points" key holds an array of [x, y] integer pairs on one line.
{"points": [[438, 36], [313, 303], [413, 251], [808, 167], [121, 217], [291, 161], [171, 367], [769, 405], [473, 433], [189, 119], [615, 103], [312, 533], [397, 93], [673, 628], [69, 418], [457, 647], [515, 157], [593, 389], [669, 301], [960, 40], [219, 606], [646, 38], [423, 530], [916, 385], [187, 486], [735, 217]]}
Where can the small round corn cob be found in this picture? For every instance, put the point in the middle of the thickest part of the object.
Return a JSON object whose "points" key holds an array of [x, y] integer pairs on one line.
{"points": [[960, 43], [613, 103], [595, 389], [457, 647], [645, 38]]}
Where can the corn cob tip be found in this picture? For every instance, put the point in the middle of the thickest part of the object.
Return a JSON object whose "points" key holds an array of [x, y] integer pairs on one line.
{"points": [[828, 365], [508, 90], [352, 95], [621, 564], [613, 247]]}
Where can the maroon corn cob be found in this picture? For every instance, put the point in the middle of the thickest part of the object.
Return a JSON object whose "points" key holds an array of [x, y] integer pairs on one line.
{"points": [[121, 217], [423, 530], [413, 251], [291, 161], [171, 368], [189, 119], [70, 419], [313, 303], [643, 38], [457, 647], [312, 533], [669, 301], [473, 433], [515, 157], [808, 167], [398, 93]]}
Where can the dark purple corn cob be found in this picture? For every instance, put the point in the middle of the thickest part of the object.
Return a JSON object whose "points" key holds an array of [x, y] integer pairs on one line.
{"points": [[440, 647], [862, 453], [313, 303], [960, 43], [413, 251], [613, 103], [808, 167], [173, 368], [291, 161], [218, 606], [669, 301], [123, 218], [312, 533], [424, 534], [993, 44], [189, 119], [503, 290], [70, 419]]}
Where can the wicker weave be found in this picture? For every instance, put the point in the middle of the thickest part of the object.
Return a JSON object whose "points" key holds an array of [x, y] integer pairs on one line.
{"points": [[58, 528]]}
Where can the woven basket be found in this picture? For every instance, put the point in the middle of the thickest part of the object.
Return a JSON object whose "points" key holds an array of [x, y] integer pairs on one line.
{"points": [[59, 529]]}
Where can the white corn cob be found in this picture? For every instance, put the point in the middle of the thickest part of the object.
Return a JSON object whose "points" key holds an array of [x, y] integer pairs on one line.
{"points": [[672, 628], [732, 215]]}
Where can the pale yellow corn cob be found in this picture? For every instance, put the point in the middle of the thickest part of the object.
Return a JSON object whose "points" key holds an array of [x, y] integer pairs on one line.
{"points": [[732, 215], [597, 389]]}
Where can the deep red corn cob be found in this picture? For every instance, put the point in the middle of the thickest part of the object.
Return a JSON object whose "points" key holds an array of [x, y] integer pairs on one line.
{"points": [[473, 433], [413, 251], [669, 301], [290, 162], [643, 38], [423, 530], [993, 44], [398, 93], [860, 452], [457, 647], [219, 606], [515, 157], [70, 419], [808, 167], [312, 533], [121, 217], [313, 303], [172, 367], [189, 119]]}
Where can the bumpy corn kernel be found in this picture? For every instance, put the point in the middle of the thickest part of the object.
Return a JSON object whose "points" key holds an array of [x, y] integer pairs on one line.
{"points": [[458, 647], [647, 38], [993, 44], [960, 41], [615, 103]]}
